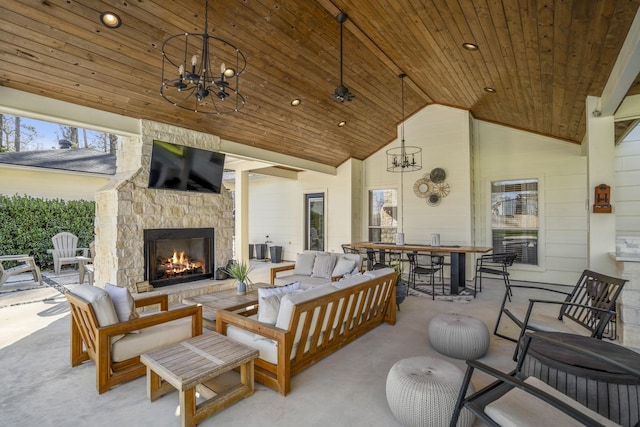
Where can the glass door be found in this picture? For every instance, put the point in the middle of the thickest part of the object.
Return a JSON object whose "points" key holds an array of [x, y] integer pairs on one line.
{"points": [[314, 221]]}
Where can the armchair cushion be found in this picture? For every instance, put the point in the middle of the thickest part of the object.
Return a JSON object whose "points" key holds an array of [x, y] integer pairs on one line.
{"points": [[304, 263], [147, 339], [517, 408], [102, 306], [122, 302], [545, 322]]}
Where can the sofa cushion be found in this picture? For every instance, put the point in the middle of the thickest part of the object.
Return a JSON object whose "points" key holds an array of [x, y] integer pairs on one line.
{"points": [[304, 263], [151, 338], [347, 282], [269, 301], [343, 266], [290, 300], [122, 302], [323, 266], [102, 306]]}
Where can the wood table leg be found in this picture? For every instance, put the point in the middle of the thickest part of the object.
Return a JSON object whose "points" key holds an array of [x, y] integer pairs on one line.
{"points": [[156, 386], [188, 407]]}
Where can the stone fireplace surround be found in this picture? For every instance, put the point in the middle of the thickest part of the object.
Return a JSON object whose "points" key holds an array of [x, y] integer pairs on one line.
{"points": [[126, 207]]}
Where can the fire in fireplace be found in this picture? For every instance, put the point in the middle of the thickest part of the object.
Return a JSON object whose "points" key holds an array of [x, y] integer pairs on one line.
{"points": [[178, 255]]}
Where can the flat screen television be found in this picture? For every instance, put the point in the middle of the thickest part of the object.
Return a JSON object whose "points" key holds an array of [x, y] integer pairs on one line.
{"points": [[178, 167]]}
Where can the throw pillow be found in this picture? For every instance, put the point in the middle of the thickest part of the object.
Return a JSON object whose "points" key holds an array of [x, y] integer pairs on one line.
{"points": [[268, 307], [343, 266], [102, 306], [323, 266], [304, 264], [122, 302]]}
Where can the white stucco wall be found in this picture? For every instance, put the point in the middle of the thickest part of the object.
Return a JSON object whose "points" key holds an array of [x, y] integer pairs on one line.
{"points": [[50, 183]]}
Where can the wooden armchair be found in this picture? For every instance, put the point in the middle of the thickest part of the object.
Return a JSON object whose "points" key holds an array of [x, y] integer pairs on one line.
{"points": [[590, 306], [114, 348]]}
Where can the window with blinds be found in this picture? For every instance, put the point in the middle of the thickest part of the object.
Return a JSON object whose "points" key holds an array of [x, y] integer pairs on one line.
{"points": [[383, 215], [514, 219]]}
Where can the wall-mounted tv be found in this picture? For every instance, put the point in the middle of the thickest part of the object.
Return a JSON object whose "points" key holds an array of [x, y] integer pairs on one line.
{"points": [[184, 168]]}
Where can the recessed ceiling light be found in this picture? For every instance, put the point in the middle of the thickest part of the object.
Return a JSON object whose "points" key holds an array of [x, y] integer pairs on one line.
{"points": [[295, 102], [110, 20], [342, 123], [470, 46], [490, 89]]}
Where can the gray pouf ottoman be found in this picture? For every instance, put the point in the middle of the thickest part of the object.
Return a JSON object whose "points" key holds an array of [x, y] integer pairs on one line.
{"points": [[459, 336], [422, 391]]}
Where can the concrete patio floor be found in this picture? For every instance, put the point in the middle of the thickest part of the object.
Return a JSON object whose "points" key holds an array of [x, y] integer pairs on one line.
{"points": [[345, 389]]}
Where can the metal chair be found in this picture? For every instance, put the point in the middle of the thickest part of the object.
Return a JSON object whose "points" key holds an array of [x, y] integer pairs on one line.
{"points": [[524, 401], [494, 264], [428, 264], [590, 305]]}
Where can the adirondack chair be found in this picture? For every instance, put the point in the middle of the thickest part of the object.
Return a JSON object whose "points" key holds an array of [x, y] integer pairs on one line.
{"points": [[65, 250]]}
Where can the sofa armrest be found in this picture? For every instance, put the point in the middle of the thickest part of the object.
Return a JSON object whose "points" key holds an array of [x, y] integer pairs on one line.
{"points": [[276, 270], [225, 318], [194, 311], [161, 299]]}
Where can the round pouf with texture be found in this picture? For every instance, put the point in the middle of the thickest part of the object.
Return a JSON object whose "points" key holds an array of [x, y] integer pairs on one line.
{"points": [[459, 336], [422, 391]]}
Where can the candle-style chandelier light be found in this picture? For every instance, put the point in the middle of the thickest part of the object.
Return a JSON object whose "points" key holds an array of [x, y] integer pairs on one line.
{"points": [[404, 158], [201, 72]]}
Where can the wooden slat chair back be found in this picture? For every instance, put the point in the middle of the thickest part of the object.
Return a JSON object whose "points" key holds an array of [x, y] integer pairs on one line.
{"points": [[89, 341], [65, 248]]}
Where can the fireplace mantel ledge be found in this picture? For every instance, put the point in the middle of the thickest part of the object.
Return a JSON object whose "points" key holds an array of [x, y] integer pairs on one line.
{"points": [[625, 256]]}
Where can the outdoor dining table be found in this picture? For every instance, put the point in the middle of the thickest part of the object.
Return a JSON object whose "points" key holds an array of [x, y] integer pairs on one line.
{"points": [[457, 252]]}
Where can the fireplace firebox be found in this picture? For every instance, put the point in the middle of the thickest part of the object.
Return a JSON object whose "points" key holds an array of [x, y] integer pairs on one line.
{"points": [[177, 255]]}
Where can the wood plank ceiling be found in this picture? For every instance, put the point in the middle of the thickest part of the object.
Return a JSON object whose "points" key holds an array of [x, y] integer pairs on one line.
{"points": [[543, 57]]}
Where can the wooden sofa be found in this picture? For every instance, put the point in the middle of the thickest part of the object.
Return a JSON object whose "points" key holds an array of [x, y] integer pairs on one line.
{"points": [[352, 310], [90, 341]]}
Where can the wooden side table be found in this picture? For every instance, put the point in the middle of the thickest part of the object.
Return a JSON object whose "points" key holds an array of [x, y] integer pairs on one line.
{"points": [[188, 365]]}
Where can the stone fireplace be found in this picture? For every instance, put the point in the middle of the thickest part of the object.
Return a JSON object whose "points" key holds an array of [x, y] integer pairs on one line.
{"points": [[126, 207]]}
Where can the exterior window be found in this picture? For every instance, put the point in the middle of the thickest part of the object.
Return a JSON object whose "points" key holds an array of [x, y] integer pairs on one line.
{"points": [[514, 218], [314, 211], [383, 215]]}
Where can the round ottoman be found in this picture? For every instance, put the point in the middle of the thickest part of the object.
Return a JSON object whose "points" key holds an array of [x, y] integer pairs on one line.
{"points": [[422, 391], [459, 336]]}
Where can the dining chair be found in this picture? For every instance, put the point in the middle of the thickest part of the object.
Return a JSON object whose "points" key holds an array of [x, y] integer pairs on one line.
{"points": [[426, 264]]}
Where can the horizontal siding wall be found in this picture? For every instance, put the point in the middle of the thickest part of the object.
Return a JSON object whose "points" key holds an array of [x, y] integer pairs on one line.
{"points": [[626, 194], [502, 153]]}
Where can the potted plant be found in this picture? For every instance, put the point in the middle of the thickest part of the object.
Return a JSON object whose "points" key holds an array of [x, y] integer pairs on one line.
{"points": [[402, 287], [240, 272]]}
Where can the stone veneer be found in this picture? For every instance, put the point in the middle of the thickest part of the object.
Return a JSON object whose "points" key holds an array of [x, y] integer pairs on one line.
{"points": [[628, 265], [125, 207]]}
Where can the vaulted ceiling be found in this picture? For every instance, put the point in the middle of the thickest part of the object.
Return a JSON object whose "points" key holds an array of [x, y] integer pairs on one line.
{"points": [[542, 57]]}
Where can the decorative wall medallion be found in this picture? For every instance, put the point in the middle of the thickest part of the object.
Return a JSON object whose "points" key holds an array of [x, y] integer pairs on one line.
{"points": [[432, 187], [438, 175], [422, 188]]}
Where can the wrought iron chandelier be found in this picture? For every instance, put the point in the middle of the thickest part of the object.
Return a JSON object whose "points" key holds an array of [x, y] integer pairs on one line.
{"points": [[404, 158], [190, 77]]}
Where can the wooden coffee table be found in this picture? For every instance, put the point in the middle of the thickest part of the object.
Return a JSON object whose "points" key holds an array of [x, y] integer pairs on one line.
{"points": [[187, 365], [224, 300]]}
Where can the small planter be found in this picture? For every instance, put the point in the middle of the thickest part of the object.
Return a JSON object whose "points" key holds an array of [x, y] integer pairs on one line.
{"points": [[402, 290]]}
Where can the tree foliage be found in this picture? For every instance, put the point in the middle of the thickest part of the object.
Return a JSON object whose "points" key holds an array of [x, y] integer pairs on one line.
{"points": [[27, 225], [15, 134]]}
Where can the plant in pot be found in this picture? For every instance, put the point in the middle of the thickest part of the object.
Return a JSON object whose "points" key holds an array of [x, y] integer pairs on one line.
{"points": [[240, 272], [402, 287]]}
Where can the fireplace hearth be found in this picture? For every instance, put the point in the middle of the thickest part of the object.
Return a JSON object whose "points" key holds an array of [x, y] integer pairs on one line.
{"points": [[177, 255]]}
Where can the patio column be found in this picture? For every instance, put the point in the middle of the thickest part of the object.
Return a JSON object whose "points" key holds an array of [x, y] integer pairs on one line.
{"points": [[600, 149], [242, 215]]}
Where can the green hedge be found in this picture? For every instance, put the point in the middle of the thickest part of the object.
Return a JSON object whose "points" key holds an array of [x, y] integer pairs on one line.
{"points": [[27, 225]]}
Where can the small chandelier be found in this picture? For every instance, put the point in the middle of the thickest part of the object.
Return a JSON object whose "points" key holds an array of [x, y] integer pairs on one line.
{"points": [[404, 158], [190, 79]]}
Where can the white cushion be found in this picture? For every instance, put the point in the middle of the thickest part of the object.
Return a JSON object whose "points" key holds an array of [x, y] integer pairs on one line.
{"points": [[518, 408], [323, 266], [102, 306], [374, 274], [306, 282], [343, 266], [304, 263], [269, 301], [268, 348], [548, 323], [347, 282], [151, 338], [290, 300], [122, 302]]}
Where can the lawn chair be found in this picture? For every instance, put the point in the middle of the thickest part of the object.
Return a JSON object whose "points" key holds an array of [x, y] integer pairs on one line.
{"points": [[590, 305], [65, 250]]}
